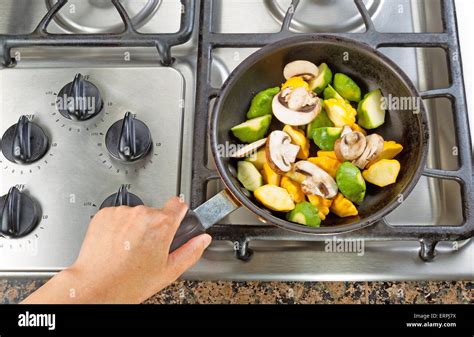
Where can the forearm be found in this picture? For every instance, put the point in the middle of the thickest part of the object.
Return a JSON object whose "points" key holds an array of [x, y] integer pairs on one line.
{"points": [[66, 288], [71, 286]]}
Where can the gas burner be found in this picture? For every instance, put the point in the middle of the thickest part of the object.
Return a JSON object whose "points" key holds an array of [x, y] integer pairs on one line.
{"points": [[323, 15], [101, 16]]}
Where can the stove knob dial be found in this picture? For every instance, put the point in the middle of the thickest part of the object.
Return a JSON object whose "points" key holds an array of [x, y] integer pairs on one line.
{"points": [[20, 214], [128, 139], [24, 142], [122, 198], [79, 100]]}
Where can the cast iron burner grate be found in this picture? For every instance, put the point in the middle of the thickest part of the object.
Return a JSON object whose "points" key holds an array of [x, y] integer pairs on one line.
{"points": [[428, 236], [128, 37]]}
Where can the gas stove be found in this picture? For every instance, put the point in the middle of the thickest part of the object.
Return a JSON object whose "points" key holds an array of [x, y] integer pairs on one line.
{"points": [[89, 160]]}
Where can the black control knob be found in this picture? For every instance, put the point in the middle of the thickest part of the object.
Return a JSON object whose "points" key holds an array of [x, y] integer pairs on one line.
{"points": [[79, 100], [25, 142], [20, 214], [128, 139], [122, 198]]}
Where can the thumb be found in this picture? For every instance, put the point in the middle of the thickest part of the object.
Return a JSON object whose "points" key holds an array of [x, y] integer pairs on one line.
{"points": [[187, 255]]}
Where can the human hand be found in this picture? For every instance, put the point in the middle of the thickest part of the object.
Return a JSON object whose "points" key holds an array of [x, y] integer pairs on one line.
{"points": [[125, 257]]}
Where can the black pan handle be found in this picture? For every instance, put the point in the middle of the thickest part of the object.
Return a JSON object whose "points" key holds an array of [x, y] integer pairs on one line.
{"points": [[189, 228], [196, 221]]}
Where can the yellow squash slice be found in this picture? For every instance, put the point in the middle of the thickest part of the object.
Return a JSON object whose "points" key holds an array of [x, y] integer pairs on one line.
{"points": [[295, 82], [270, 176], [258, 159], [293, 188], [328, 164], [343, 207], [382, 173], [390, 150], [330, 154], [321, 204], [340, 112], [274, 198], [298, 138]]}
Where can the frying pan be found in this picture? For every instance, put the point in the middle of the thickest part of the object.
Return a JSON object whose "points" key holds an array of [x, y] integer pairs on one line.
{"points": [[264, 69]]}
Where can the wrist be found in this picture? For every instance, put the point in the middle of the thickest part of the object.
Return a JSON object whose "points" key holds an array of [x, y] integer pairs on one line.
{"points": [[81, 288]]}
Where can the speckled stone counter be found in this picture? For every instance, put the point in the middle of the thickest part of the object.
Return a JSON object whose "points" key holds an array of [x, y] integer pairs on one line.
{"points": [[14, 290]]}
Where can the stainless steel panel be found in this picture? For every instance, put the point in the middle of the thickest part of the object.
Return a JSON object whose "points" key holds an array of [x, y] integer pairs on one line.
{"points": [[287, 261], [77, 174]]}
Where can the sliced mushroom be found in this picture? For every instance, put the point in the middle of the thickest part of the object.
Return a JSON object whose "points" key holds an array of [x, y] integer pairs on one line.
{"points": [[371, 152], [296, 106], [248, 149], [299, 98], [305, 69], [345, 130], [280, 152], [317, 182], [350, 146]]}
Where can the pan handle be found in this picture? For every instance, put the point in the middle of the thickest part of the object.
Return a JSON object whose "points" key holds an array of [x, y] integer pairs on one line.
{"points": [[197, 221]]}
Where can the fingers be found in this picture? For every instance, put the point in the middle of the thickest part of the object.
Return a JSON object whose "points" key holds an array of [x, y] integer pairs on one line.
{"points": [[176, 210], [187, 255], [170, 216]]}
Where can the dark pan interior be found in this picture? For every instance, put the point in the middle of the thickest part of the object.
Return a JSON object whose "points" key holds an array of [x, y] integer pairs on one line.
{"points": [[370, 70]]}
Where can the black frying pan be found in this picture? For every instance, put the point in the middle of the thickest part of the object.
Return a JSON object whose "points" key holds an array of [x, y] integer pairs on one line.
{"points": [[264, 69]]}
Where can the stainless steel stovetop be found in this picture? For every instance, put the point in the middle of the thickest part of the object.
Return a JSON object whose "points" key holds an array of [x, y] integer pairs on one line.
{"points": [[80, 174]]}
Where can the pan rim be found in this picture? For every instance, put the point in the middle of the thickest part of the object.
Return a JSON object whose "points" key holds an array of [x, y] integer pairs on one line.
{"points": [[274, 220]]}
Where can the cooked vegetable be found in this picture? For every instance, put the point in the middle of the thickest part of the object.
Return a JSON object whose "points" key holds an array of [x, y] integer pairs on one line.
{"points": [[382, 173], [261, 104], [330, 92], [330, 165], [281, 153], [295, 82], [350, 182], [293, 188], [321, 120], [249, 149], [343, 207], [305, 69], [270, 176], [370, 110], [305, 213], [317, 182], [373, 148], [325, 137], [390, 150], [321, 204], [329, 154], [324, 78], [283, 176], [350, 146], [258, 159], [340, 112], [298, 138], [253, 129], [346, 87], [274, 198], [249, 176], [296, 106]]}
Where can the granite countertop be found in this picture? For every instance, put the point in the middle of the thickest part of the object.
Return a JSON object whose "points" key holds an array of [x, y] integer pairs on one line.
{"points": [[14, 290]]}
